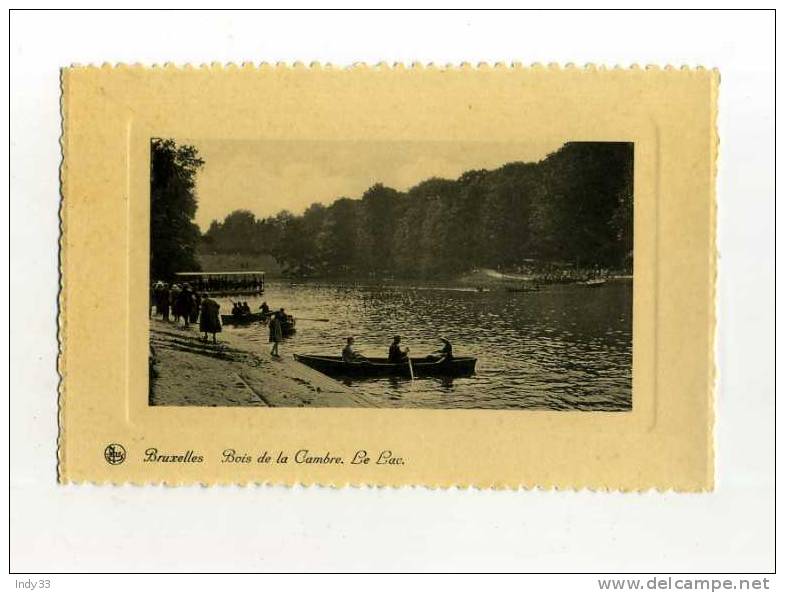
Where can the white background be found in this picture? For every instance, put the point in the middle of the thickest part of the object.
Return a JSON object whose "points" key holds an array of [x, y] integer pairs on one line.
{"points": [[90, 528]]}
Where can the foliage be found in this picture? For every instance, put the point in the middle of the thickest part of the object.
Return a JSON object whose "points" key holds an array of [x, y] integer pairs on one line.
{"points": [[574, 207], [174, 236]]}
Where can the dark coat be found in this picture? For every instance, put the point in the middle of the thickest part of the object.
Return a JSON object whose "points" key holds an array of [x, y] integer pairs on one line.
{"points": [[210, 320], [276, 333], [162, 304], [184, 304]]}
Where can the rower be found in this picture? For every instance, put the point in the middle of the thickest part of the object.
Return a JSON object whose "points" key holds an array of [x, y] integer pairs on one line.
{"points": [[265, 309], [396, 354], [348, 354], [444, 353]]}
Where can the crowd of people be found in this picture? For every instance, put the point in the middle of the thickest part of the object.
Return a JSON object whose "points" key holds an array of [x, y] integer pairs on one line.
{"points": [[180, 302], [176, 302]]}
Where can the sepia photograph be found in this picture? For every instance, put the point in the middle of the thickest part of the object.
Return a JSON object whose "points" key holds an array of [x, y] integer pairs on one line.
{"points": [[392, 291], [440, 275], [319, 267]]}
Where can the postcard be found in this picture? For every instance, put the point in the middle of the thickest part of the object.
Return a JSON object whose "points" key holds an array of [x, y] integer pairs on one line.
{"points": [[491, 277]]}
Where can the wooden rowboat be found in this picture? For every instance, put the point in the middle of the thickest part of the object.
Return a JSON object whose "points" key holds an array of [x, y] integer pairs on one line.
{"points": [[287, 327], [380, 367], [246, 319]]}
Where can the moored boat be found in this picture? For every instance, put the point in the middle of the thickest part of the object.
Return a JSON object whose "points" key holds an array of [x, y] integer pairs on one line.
{"points": [[379, 367], [288, 327], [246, 319], [224, 283], [595, 283]]}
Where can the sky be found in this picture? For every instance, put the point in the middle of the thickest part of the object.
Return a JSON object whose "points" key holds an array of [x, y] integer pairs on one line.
{"points": [[266, 177]]}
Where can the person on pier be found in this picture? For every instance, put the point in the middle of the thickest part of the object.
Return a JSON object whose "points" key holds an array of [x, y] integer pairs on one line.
{"points": [[276, 334]]}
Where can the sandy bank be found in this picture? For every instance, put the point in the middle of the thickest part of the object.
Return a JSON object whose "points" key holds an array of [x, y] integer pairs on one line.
{"points": [[190, 372]]}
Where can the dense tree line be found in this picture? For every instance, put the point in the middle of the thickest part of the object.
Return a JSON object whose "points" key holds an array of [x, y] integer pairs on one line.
{"points": [[174, 237], [574, 207]]}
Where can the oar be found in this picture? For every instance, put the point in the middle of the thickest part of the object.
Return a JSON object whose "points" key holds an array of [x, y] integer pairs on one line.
{"points": [[311, 319], [411, 369]]}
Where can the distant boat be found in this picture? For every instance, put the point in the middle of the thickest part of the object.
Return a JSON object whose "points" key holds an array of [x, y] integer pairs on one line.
{"points": [[381, 367], [224, 283], [596, 282]]}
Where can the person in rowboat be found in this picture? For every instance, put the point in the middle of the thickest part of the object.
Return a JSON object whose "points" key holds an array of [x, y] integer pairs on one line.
{"points": [[396, 353], [348, 353], [265, 309], [444, 353]]}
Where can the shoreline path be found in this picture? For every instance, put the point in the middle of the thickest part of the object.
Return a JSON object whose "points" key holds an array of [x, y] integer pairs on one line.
{"points": [[191, 372]]}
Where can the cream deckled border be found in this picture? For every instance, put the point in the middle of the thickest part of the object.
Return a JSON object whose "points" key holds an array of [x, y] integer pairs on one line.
{"points": [[397, 66], [61, 302], [84, 469]]}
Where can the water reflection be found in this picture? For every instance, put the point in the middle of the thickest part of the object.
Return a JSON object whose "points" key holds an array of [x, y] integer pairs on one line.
{"points": [[565, 347]]}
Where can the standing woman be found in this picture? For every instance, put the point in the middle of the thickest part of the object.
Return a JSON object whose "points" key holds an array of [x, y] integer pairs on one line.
{"points": [[209, 320], [276, 333]]}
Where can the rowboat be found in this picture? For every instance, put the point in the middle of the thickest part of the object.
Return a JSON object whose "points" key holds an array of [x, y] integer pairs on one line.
{"points": [[597, 282], [246, 319], [380, 367], [287, 327]]}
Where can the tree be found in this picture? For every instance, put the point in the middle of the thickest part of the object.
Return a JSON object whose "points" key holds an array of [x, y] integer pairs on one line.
{"points": [[574, 207], [173, 202], [340, 236], [237, 233], [377, 216]]}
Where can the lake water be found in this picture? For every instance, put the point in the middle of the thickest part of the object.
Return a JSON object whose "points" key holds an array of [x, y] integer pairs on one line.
{"points": [[566, 347]]}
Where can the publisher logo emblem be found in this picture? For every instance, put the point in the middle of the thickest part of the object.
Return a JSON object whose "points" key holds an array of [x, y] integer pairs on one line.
{"points": [[114, 454]]}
